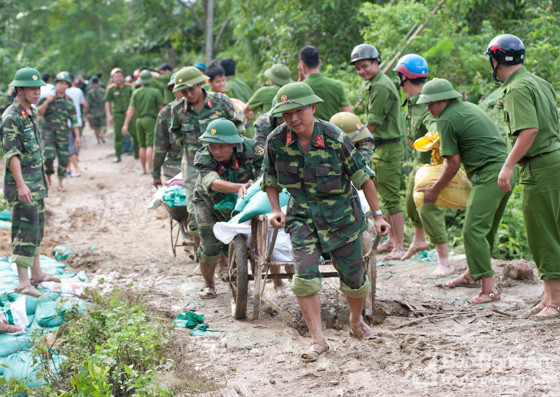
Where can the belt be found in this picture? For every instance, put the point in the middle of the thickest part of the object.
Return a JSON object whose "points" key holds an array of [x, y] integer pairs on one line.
{"points": [[483, 166], [525, 160], [379, 142], [147, 116]]}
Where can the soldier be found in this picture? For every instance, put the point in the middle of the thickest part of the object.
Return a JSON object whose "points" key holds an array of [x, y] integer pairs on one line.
{"points": [[469, 137], [382, 120], [58, 110], [228, 165], [167, 152], [163, 79], [266, 123], [235, 88], [25, 183], [531, 116], [189, 117], [217, 76], [278, 76], [317, 162], [332, 91], [117, 99], [412, 72], [97, 118], [358, 133], [149, 102]]}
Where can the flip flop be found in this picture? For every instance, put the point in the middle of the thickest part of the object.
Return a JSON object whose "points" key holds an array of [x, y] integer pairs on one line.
{"points": [[462, 281], [313, 353], [207, 293], [536, 309], [485, 297], [362, 332]]}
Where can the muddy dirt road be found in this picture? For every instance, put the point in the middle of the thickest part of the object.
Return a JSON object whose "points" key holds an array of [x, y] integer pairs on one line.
{"points": [[430, 342]]}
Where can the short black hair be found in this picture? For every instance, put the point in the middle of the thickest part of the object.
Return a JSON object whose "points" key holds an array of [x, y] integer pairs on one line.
{"points": [[165, 66], [309, 55], [46, 77], [229, 66], [215, 71], [417, 81]]}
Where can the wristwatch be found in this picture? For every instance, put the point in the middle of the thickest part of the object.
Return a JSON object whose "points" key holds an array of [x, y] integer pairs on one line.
{"points": [[377, 213]]}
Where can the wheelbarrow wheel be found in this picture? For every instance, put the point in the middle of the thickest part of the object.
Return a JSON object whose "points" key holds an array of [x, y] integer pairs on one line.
{"points": [[238, 277]]}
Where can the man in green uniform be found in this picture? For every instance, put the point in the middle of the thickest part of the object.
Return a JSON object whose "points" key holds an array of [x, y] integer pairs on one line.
{"points": [[468, 136], [163, 79], [382, 120], [189, 118], [317, 162], [228, 165], [330, 90], [266, 123], [412, 71], [217, 76], [531, 116], [97, 118], [25, 182], [278, 76], [167, 153], [235, 88], [117, 99], [148, 101], [358, 133], [57, 111]]}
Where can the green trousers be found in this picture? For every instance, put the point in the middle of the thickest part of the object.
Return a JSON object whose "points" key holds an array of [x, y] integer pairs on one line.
{"points": [[28, 224], [485, 207], [386, 162], [430, 217], [118, 121], [540, 190]]}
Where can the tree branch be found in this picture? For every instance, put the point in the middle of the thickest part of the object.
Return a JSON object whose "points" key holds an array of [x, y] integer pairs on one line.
{"points": [[221, 33], [195, 14]]}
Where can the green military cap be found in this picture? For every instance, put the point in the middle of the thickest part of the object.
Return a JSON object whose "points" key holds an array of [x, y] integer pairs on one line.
{"points": [[437, 90], [293, 96], [221, 131], [279, 74], [63, 76], [146, 77], [272, 108], [27, 77], [188, 77], [351, 125], [172, 80]]}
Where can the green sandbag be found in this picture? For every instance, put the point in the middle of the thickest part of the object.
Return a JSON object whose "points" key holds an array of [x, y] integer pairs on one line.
{"points": [[175, 196], [20, 366], [228, 203], [253, 189], [5, 215], [51, 314], [260, 204], [10, 344]]}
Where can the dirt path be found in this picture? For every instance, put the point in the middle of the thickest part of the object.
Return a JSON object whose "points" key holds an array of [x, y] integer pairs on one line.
{"points": [[431, 344]]}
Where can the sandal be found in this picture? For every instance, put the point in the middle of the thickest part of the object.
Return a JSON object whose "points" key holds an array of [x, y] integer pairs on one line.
{"points": [[208, 292], [362, 332], [537, 308], [485, 297], [28, 290], [555, 313], [313, 353], [462, 281]]}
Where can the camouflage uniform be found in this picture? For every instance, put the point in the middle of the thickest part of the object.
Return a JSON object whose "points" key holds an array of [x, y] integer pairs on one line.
{"points": [[264, 125], [324, 212], [167, 152], [245, 165], [21, 137], [55, 132], [187, 126], [96, 102]]}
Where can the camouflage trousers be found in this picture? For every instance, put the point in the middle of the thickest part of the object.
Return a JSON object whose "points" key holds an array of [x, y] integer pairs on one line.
{"points": [[210, 248], [28, 223], [56, 146], [99, 123], [189, 180], [348, 261]]}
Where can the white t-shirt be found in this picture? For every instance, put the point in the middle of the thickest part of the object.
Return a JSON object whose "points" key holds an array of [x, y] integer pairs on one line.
{"points": [[77, 97], [47, 90]]}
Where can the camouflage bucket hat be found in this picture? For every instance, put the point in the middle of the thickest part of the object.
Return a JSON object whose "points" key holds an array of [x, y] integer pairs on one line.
{"points": [[293, 96], [221, 131], [27, 77], [437, 90], [146, 77], [279, 74], [188, 77], [351, 125], [63, 76]]}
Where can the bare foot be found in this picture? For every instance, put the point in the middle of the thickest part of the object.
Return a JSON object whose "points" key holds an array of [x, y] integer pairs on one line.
{"points": [[9, 328], [415, 248], [385, 247], [395, 255], [463, 280], [61, 188], [28, 290], [362, 331], [442, 271], [44, 277]]}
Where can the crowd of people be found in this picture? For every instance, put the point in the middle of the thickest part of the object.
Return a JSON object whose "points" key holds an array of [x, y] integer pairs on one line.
{"points": [[201, 121]]}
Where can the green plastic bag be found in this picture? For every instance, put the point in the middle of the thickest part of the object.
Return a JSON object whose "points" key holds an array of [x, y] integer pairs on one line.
{"points": [[189, 320]]}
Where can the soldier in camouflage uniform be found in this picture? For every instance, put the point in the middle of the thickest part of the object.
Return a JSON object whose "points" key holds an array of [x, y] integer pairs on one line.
{"points": [[57, 110], [228, 165], [358, 133], [167, 152], [97, 118], [266, 123], [117, 98], [189, 118], [25, 182], [317, 162]]}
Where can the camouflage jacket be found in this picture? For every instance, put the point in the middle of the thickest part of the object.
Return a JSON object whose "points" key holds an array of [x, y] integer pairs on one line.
{"points": [[264, 125], [57, 114], [187, 126], [96, 102], [166, 150], [245, 165], [322, 197], [365, 148], [418, 122], [21, 137]]}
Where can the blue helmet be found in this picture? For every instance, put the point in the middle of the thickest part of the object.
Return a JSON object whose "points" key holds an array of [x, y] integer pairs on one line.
{"points": [[412, 66]]}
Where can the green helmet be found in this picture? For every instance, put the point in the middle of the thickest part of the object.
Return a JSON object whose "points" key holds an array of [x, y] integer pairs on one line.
{"points": [[63, 76], [188, 77], [293, 96], [272, 108], [172, 80], [437, 90], [364, 51], [146, 77], [279, 74], [221, 131], [27, 77], [350, 124]]}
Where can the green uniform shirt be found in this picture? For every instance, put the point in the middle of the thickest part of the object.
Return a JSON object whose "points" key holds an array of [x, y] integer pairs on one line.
{"points": [[530, 102], [146, 101], [322, 197], [264, 125], [119, 97], [466, 130], [245, 165], [166, 150], [236, 88], [163, 80], [261, 101], [383, 107], [20, 135], [330, 91], [95, 98], [418, 122], [57, 114]]}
